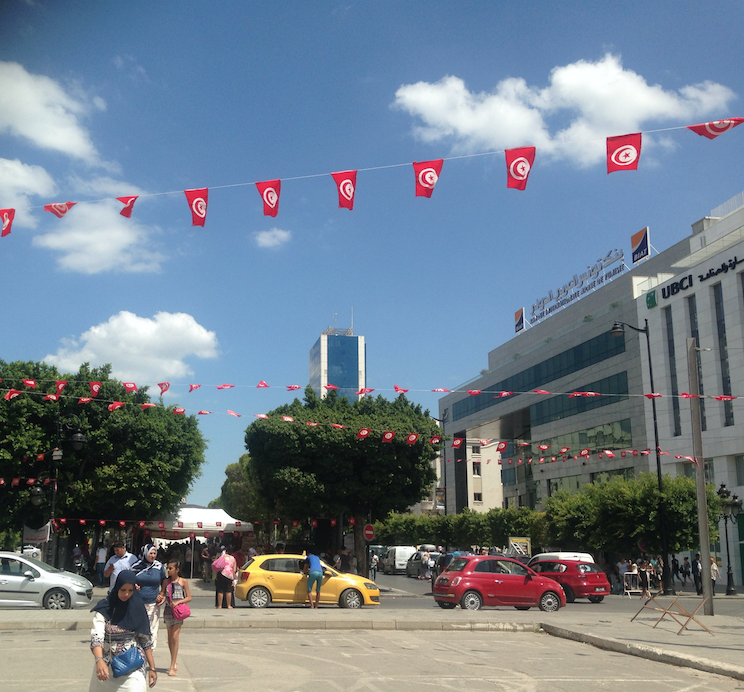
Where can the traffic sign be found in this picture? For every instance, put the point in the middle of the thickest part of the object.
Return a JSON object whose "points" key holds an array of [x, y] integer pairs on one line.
{"points": [[369, 532]]}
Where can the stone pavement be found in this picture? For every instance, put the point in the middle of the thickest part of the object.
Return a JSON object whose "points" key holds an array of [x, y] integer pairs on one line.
{"points": [[720, 653]]}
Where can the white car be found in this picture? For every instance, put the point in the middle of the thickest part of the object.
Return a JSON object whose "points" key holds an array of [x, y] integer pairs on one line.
{"points": [[25, 581], [30, 551]]}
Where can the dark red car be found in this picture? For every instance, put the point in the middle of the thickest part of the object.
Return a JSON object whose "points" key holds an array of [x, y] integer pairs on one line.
{"points": [[478, 580], [578, 579]]}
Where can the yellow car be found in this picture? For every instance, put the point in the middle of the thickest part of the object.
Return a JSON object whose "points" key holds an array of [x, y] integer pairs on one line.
{"points": [[279, 578]]}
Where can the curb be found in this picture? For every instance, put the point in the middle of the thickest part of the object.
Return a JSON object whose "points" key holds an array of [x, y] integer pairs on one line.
{"points": [[648, 652]]}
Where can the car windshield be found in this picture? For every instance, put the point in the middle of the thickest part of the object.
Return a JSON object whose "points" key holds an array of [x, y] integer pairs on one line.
{"points": [[42, 565]]}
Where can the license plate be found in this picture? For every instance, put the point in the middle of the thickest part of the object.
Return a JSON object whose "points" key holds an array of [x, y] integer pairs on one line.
{"points": [[599, 588]]}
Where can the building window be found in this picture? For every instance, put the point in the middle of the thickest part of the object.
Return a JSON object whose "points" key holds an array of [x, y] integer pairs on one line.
{"points": [[603, 476], [569, 483], [710, 472], [728, 409], [692, 313], [577, 358], [477, 497], [509, 476], [739, 462], [676, 421], [476, 468], [476, 450]]}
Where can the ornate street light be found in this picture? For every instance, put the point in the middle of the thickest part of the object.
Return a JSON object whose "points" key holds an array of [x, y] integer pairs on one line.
{"points": [[618, 330], [730, 508]]}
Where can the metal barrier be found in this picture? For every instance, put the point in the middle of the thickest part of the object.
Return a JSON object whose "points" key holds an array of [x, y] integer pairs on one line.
{"points": [[631, 584]]}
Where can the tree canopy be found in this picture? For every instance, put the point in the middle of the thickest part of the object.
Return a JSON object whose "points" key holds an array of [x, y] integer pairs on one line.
{"points": [[136, 464]]}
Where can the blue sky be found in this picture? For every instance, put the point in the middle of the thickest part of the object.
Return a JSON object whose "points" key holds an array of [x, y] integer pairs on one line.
{"points": [[99, 101]]}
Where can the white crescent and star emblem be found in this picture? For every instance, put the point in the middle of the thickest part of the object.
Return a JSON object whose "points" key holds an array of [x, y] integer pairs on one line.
{"points": [[428, 177], [625, 155], [718, 127], [520, 168], [199, 207], [6, 220], [347, 189], [270, 197]]}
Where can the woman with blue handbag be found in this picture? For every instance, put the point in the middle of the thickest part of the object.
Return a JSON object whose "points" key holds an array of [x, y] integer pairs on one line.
{"points": [[120, 638]]}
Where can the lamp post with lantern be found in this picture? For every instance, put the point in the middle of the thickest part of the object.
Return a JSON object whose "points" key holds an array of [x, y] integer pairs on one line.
{"points": [[730, 508]]}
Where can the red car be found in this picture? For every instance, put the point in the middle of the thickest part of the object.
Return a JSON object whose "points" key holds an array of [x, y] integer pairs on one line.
{"points": [[578, 579], [476, 581]]}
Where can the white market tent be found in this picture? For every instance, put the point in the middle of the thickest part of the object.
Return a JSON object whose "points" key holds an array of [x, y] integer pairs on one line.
{"points": [[203, 522]]}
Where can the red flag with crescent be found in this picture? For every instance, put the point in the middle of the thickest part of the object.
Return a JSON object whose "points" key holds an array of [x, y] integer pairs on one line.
{"points": [[270, 191], [427, 174], [712, 129], [346, 183], [518, 166], [7, 216], [623, 152], [59, 209], [128, 203], [95, 388], [198, 200], [164, 387]]}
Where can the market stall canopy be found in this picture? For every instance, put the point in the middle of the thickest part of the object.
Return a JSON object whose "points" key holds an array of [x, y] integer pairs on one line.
{"points": [[203, 522]]}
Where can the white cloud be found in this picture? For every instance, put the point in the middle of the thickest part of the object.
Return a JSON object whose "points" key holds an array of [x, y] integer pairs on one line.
{"points": [[18, 182], [128, 64], [139, 349], [94, 238], [274, 237], [598, 99], [39, 109]]}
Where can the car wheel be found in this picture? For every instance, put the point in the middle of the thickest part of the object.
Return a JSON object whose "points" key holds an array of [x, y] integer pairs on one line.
{"points": [[259, 597], [471, 600], [570, 595], [549, 602], [596, 599], [57, 599], [446, 605], [351, 598], [522, 607]]}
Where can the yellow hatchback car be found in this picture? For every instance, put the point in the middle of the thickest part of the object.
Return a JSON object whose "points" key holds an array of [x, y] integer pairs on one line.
{"points": [[279, 578]]}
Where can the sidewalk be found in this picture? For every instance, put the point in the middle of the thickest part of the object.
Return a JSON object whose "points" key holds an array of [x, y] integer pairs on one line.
{"points": [[694, 648]]}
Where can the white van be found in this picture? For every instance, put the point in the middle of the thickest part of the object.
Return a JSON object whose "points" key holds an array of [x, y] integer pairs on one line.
{"points": [[396, 558], [574, 557]]}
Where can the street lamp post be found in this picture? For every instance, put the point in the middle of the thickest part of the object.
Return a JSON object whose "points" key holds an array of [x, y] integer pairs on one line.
{"points": [[618, 330], [730, 508]]}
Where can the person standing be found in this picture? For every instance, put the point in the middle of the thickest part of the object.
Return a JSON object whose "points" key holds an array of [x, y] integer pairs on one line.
{"points": [[697, 574], [374, 561], [150, 577], [121, 560], [226, 571], [715, 574], [100, 563], [314, 578], [120, 623], [175, 590], [686, 570]]}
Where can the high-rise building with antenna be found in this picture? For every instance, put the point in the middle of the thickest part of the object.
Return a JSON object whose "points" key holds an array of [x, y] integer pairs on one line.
{"points": [[339, 358]]}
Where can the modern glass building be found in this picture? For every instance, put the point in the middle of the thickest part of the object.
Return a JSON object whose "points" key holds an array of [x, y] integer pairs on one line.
{"points": [[339, 358]]}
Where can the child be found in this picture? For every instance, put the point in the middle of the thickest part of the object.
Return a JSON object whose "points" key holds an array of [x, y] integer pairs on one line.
{"points": [[175, 590]]}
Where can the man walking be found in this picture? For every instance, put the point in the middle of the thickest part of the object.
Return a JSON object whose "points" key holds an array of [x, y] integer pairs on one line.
{"points": [[121, 560], [697, 574]]}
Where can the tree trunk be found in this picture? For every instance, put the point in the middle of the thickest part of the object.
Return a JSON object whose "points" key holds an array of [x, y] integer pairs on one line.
{"points": [[360, 545]]}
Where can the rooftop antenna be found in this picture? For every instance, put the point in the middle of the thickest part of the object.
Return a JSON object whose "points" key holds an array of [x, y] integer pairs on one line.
{"points": [[352, 320], [335, 315]]}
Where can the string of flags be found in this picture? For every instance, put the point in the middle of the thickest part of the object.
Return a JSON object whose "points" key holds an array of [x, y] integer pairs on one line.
{"points": [[623, 154]]}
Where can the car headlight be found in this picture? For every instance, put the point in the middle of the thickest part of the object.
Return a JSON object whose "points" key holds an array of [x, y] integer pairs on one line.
{"points": [[370, 586]]}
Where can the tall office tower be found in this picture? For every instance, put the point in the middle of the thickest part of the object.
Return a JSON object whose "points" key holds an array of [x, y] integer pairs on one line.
{"points": [[339, 358]]}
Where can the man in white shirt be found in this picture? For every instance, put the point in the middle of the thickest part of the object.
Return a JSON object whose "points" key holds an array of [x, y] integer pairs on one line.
{"points": [[118, 562], [100, 563]]}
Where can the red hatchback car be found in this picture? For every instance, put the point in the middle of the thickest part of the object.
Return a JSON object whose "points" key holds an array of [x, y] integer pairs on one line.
{"points": [[578, 579], [477, 581]]}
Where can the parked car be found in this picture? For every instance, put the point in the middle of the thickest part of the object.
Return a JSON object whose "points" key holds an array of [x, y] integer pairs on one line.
{"points": [[25, 581], [580, 557], [30, 550], [578, 579], [396, 558], [267, 579], [413, 566], [477, 581]]}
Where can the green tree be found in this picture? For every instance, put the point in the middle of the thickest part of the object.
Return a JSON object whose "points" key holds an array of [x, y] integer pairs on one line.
{"points": [[136, 464], [240, 494], [326, 471], [616, 514]]}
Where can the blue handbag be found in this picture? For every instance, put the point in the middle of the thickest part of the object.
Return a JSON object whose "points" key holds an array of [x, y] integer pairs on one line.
{"points": [[127, 662]]}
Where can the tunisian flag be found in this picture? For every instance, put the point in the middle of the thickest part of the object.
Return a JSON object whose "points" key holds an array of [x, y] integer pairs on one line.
{"points": [[270, 191], [714, 128], [518, 166], [623, 152], [7, 216], [198, 200], [427, 174], [128, 203], [59, 209], [346, 182]]}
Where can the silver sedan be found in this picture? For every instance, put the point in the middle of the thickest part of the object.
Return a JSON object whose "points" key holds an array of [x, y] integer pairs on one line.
{"points": [[25, 581]]}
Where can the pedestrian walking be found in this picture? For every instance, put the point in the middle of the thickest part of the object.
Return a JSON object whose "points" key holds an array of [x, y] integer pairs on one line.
{"points": [[715, 574], [175, 591]]}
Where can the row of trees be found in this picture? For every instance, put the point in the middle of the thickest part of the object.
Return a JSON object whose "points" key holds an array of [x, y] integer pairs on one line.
{"points": [[135, 465], [618, 516]]}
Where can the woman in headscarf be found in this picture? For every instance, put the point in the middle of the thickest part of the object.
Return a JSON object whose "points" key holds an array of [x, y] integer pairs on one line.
{"points": [[120, 623], [150, 577]]}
